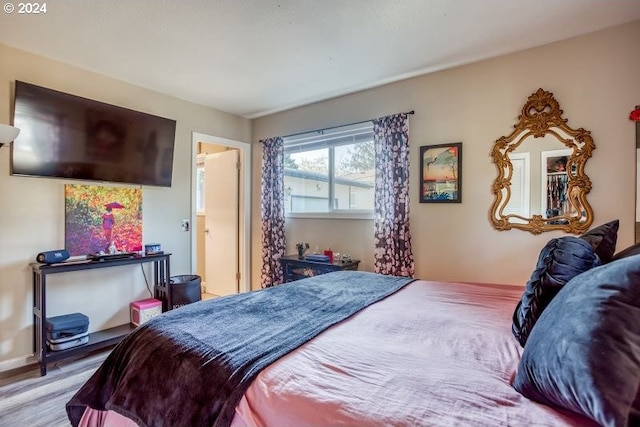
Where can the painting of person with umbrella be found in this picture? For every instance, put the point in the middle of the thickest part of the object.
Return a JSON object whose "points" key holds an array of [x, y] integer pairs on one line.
{"points": [[108, 222], [102, 219]]}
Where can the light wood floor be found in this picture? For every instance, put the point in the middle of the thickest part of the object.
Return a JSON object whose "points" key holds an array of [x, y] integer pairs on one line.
{"points": [[28, 399]]}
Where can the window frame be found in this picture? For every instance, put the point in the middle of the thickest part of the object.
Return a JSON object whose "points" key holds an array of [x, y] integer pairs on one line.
{"points": [[330, 139]]}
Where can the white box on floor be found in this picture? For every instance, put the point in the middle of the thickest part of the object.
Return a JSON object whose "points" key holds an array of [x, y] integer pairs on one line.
{"points": [[145, 309]]}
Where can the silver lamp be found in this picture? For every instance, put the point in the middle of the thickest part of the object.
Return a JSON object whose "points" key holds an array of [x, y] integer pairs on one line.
{"points": [[8, 133]]}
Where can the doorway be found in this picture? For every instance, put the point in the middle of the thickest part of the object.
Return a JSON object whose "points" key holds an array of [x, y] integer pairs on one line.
{"points": [[221, 213]]}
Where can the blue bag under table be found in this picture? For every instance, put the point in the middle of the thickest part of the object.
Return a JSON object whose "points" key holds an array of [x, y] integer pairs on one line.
{"points": [[66, 326]]}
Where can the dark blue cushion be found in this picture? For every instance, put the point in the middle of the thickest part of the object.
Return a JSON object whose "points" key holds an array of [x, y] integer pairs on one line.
{"points": [[560, 260], [603, 239], [584, 353]]}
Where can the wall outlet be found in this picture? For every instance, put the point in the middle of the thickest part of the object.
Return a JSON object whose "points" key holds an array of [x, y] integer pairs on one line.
{"points": [[184, 225]]}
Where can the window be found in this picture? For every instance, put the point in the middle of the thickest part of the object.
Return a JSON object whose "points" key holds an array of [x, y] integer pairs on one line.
{"points": [[330, 171], [200, 184]]}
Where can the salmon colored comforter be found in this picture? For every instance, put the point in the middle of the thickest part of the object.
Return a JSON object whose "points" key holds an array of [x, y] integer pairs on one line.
{"points": [[432, 354]]}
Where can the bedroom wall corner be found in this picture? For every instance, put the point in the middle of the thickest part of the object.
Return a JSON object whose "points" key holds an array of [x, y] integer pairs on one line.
{"points": [[594, 77], [32, 214]]}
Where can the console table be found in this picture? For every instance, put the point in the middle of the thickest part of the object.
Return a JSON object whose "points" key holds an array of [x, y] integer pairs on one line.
{"points": [[98, 339], [294, 268]]}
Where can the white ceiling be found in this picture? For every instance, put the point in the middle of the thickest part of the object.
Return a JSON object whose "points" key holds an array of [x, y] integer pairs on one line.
{"points": [[256, 57]]}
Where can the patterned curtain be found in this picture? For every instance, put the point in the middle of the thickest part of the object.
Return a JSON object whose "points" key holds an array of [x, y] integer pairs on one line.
{"points": [[272, 211], [393, 255]]}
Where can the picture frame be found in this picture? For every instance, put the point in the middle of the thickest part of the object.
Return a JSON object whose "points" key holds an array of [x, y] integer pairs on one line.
{"points": [[102, 219], [441, 173]]}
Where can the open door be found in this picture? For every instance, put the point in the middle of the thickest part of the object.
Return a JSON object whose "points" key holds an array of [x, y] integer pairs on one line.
{"points": [[222, 236]]}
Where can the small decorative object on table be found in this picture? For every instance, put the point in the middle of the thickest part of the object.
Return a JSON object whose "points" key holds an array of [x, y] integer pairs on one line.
{"points": [[345, 258], [144, 310], [153, 248], [302, 248]]}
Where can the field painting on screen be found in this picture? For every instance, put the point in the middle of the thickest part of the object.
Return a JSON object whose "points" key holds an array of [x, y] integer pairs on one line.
{"points": [[99, 219]]}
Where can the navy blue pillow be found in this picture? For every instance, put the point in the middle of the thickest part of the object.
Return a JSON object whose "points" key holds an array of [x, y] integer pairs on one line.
{"points": [[560, 260], [584, 353], [603, 239]]}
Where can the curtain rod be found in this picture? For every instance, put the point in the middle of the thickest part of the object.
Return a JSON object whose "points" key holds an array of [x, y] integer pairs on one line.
{"points": [[335, 127]]}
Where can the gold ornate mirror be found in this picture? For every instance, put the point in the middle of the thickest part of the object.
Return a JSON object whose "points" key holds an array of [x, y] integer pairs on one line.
{"points": [[541, 183]]}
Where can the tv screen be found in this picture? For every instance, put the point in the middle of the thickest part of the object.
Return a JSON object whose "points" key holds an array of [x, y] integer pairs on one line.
{"points": [[67, 136]]}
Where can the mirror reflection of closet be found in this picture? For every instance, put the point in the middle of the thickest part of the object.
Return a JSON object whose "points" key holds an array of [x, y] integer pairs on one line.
{"points": [[541, 183], [544, 180]]}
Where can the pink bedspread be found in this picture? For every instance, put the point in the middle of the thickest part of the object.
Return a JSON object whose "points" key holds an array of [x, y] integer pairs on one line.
{"points": [[434, 353]]}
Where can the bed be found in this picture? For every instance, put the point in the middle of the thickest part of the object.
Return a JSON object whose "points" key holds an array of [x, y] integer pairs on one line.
{"points": [[415, 353], [430, 353]]}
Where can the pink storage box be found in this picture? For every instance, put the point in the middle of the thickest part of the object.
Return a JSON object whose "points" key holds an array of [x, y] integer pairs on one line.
{"points": [[145, 309]]}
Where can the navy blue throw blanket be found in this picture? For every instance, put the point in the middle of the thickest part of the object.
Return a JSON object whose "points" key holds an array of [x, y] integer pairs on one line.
{"points": [[191, 366]]}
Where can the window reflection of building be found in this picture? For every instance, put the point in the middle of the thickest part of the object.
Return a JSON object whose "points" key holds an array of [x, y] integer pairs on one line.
{"points": [[330, 170], [41, 141], [200, 193], [307, 192]]}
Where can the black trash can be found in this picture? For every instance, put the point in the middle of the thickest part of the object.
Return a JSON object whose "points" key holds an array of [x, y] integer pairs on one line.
{"points": [[184, 290]]}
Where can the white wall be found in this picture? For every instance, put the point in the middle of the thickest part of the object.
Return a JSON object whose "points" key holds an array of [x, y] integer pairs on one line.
{"points": [[595, 80], [32, 209]]}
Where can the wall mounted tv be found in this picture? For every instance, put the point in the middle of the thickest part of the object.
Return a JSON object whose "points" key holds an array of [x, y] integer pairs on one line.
{"points": [[66, 136]]}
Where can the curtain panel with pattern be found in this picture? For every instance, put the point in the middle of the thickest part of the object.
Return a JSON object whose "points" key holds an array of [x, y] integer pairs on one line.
{"points": [[272, 211], [393, 254]]}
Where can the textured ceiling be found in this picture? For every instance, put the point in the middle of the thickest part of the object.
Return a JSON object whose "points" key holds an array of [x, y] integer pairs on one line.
{"points": [[256, 57]]}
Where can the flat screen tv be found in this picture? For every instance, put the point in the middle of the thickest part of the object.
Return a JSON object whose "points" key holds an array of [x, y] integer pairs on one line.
{"points": [[67, 136]]}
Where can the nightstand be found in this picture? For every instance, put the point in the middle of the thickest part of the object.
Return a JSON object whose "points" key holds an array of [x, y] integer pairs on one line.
{"points": [[295, 269]]}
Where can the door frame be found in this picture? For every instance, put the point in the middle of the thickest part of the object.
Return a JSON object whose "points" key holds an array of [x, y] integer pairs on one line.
{"points": [[244, 263]]}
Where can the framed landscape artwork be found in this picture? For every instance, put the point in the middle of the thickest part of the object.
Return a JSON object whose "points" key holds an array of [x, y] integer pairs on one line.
{"points": [[441, 173]]}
